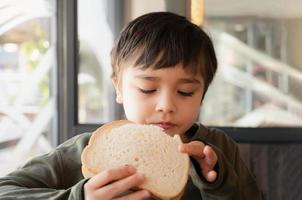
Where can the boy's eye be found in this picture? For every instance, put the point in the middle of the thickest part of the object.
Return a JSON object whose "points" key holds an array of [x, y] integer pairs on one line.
{"points": [[146, 91], [186, 94]]}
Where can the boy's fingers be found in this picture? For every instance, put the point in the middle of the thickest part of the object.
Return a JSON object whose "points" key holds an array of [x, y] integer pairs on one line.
{"points": [[110, 175], [142, 194], [194, 149], [210, 156], [211, 176], [111, 190], [208, 164], [205, 155]]}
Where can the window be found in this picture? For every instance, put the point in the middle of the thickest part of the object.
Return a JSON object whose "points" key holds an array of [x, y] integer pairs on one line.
{"points": [[95, 92], [259, 65], [260, 70], [27, 62]]}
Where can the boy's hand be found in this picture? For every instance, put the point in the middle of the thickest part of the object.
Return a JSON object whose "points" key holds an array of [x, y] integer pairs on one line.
{"points": [[204, 155], [110, 183]]}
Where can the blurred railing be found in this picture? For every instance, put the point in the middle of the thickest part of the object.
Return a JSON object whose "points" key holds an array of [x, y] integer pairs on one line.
{"points": [[25, 117], [258, 76]]}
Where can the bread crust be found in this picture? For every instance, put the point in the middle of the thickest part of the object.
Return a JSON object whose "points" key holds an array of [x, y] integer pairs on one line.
{"points": [[90, 172], [86, 171]]}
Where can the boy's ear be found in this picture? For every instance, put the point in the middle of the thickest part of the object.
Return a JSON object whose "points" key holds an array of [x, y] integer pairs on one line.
{"points": [[118, 92]]}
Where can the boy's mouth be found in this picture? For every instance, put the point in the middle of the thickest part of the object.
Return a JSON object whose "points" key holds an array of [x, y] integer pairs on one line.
{"points": [[166, 125]]}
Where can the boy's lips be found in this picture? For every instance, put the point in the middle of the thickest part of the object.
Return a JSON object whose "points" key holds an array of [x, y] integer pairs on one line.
{"points": [[166, 125]]}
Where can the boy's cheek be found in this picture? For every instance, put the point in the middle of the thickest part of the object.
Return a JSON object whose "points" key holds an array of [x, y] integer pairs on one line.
{"points": [[135, 112]]}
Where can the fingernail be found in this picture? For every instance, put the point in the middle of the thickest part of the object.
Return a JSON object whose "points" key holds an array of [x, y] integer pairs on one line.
{"points": [[140, 176], [180, 148], [130, 168], [146, 195]]}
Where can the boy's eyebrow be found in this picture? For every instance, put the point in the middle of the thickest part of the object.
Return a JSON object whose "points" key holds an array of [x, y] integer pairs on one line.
{"points": [[189, 80], [182, 80], [149, 78]]}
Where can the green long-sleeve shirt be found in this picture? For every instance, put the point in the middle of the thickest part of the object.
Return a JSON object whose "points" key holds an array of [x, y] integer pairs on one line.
{"points": [[57, 175]]}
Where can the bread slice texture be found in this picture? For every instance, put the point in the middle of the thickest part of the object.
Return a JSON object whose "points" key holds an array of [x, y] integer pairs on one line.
{"points": [[147, 148]]}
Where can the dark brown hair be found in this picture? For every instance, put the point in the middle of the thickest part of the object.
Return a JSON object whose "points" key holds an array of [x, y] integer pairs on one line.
{"points": [[162, 40]]}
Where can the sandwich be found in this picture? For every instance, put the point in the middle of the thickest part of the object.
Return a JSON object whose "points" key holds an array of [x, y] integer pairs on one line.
{"points": [[147, 148]]}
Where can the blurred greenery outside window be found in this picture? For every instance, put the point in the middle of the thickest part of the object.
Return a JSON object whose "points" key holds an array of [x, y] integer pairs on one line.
{"points": [[27, 59]]}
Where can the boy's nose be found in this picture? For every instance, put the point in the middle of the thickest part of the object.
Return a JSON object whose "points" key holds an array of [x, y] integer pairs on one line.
{"points": [[166, 104]]}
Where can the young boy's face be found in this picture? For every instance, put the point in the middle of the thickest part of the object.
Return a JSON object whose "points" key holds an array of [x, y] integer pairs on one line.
{"points": [[169, 97]]}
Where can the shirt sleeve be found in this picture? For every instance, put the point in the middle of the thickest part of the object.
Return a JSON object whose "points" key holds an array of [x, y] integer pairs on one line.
{"points": [[47, 177]]}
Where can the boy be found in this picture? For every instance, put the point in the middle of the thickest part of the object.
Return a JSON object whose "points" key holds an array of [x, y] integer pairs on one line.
{"points": [[162, 67]]}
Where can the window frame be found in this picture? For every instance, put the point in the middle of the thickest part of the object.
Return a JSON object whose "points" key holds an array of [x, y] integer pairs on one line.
{"points": [[67, 49], [67, 85], [68, 66]]}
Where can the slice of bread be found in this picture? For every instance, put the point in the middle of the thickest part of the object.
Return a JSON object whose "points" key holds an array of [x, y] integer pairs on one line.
{"points": [[147, 148]]}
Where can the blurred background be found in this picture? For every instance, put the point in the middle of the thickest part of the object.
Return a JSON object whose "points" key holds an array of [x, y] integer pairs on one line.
{"points": [[55, 77]]}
